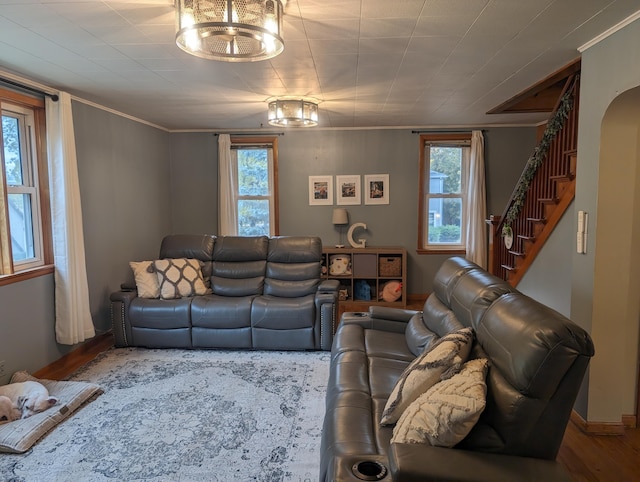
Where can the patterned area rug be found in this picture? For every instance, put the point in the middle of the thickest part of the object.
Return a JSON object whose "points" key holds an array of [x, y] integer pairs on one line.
{"points": [[173, 415]]}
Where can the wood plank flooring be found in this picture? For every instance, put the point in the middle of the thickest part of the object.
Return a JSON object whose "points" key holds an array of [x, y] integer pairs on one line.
{"points": [[588, 458], [601, 458]]}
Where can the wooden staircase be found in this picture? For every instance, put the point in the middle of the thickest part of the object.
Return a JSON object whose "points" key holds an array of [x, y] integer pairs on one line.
{"points": [[551, 189]]}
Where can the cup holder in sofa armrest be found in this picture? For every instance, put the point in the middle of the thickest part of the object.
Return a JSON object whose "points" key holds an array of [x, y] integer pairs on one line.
{"points": [[369, 470]]}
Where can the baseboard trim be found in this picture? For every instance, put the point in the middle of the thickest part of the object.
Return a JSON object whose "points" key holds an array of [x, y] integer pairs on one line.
{"points": [[597, 428], [65, 366], [630, 421]]}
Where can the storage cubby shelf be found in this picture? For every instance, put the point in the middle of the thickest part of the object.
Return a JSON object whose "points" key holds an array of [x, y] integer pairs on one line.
{"points": [[364, 272]]}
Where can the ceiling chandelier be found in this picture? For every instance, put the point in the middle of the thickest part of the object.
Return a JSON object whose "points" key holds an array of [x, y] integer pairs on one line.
{"points": [[230, 30], [293, 113]]}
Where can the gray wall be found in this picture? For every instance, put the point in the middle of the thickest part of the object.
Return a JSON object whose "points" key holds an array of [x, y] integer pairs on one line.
{"points": [[304, 153], [124, 171], [27, 340], [194, 183], [125, 187], [139, 183]]}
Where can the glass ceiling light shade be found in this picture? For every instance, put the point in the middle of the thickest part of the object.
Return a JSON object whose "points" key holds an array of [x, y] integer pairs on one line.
{"points": [[230, 30], [293, 113]]}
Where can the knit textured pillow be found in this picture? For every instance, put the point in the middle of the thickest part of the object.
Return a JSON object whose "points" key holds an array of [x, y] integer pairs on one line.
{"points": [[447, 412], [146, 279], [443, 360], [179, 278]]}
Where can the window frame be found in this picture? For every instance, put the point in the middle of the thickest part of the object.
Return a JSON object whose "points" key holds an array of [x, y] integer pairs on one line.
{"points": [[11, 271], [462, 139], [269, 143]]}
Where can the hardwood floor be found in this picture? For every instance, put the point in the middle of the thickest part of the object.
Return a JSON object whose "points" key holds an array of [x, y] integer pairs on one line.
{"points": [[588, 458], [601, 458]]}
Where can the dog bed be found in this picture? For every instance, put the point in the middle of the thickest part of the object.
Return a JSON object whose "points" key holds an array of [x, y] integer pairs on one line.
{"points": [[18, 436]]}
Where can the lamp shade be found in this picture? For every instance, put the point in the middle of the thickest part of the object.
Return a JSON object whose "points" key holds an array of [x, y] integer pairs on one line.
{"points": [[293, 113], [230, 30], [340, 216]]}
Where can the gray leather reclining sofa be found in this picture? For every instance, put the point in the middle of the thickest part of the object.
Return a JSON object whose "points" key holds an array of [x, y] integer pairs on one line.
{"points": [[537, 360], [266, 293]]}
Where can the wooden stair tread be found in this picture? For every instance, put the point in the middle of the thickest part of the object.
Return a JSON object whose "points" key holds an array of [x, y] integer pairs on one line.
{"points": [[551, 200], [563, 177], [517, 253], [537, 220], [509, 268]]}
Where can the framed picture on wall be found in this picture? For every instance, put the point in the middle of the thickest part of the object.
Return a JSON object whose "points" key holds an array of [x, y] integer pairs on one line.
{"points": [[348, 190], [376, 189], [320, 190]]}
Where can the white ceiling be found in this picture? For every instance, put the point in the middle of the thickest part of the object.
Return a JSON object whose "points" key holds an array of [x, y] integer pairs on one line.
{"points": [[370, 62]]}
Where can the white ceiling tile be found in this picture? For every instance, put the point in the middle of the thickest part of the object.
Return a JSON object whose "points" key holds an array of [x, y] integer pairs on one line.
{"points": [[372, 62]]}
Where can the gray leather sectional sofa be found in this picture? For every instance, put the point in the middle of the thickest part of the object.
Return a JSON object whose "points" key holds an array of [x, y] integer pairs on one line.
{"points": [[537, 360], [265, 293]]}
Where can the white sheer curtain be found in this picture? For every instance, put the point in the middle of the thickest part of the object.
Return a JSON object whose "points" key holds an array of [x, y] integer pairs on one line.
{"points": [[73, 314], [228, 207], [477, 204]]}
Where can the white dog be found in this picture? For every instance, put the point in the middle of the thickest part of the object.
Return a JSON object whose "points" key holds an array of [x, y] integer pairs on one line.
{"points": [[29, 397], [8, 411]]}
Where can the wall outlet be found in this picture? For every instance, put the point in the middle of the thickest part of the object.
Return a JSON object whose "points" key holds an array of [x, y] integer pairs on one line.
{"points": [[1, 368]]}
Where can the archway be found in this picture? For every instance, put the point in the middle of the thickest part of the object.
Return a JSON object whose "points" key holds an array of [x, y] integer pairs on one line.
{"points": [[616, 300]]}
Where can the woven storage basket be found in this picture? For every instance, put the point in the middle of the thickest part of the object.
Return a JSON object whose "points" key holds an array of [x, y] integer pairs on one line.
{"points": [[390, 266]]}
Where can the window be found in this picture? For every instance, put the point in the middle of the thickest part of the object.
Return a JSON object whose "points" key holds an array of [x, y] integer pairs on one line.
{"points": [[444, 165], [22, 240], [257, 194]]}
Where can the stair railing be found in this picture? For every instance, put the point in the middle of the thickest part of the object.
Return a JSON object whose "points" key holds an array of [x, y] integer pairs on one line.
{"points": [[537, 192]]}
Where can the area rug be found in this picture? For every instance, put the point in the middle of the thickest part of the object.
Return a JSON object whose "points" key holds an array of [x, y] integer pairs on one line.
{"points": [[174, 415]]}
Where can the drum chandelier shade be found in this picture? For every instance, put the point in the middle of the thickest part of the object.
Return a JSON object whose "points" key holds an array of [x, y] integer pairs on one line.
{"points": [[230, 30], [293, 113]]}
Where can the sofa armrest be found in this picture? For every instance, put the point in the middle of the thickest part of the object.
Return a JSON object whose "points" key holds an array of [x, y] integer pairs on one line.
{"points": [[326, 312], [391, 314], [328, 285], [414, 462], [120, 303], [381, 318]]}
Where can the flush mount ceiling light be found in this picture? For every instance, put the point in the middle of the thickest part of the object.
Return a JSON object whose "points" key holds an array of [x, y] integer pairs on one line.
{"points": [[230, 30], [293, 113]]}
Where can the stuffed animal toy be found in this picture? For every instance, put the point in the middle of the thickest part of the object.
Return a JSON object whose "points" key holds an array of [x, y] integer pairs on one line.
{"points": [[392, 291], [362, 290]]}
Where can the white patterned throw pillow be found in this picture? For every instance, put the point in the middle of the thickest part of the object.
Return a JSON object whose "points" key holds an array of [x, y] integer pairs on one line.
{"points": [[146, 279], [447, 412], [442, 361], [179, 278]]}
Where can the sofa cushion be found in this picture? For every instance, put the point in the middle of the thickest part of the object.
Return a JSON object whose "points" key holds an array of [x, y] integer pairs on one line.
{"points": [[446, 413], [442, 361], [179, 278], [147, 283]]}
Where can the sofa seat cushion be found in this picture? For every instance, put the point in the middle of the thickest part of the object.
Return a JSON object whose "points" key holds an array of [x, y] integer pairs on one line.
{"points": [[160, 314], [160, 323], [275, 313], [225, 312]]}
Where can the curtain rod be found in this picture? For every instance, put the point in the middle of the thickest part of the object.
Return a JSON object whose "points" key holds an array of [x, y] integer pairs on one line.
{"points": [[460, 131], [250, 134], [54, 97]]}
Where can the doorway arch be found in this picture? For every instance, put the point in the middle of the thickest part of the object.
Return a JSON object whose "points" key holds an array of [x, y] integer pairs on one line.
{"points": [[614, 375]]}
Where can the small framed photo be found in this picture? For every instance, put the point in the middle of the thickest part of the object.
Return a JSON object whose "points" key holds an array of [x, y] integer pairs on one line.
{"points": [[320, 190], [376, 189], [348, 190]]}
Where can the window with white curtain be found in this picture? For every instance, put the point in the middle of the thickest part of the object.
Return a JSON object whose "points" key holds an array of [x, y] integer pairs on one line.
{"points": [[255, 161], [444, 168], [22, 237]]}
